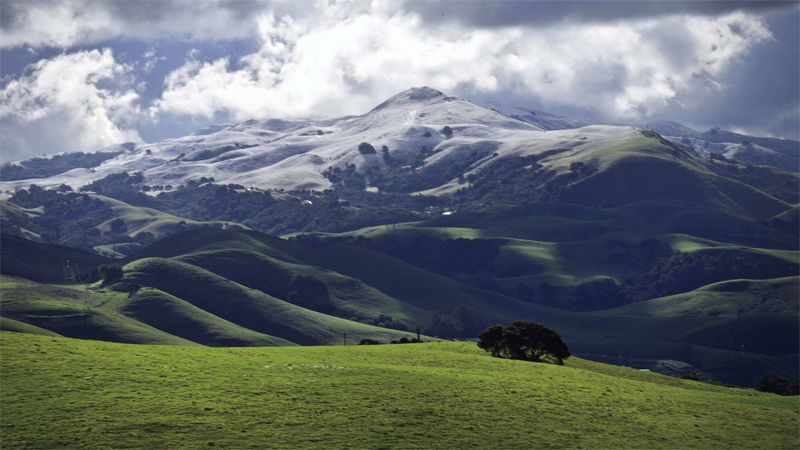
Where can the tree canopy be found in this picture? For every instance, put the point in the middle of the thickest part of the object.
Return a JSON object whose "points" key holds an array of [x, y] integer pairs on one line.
{"points": [[524, 340]]}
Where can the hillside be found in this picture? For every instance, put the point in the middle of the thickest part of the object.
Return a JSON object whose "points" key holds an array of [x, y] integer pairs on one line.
{"points": [[443, 395]]}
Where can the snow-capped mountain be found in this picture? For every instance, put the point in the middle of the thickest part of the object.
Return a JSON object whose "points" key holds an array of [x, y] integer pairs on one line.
{"points": [[417, 123], [294, 154]]}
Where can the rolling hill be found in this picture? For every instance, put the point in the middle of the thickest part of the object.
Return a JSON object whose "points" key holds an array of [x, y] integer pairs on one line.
{"points": [[216, 287]]}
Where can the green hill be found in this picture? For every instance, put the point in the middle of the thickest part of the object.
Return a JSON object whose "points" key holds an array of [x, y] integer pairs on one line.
{"points": [[75, 312], [140, 219], [249, 308], [44, 262], [652, 168], [180, 318], [83, 394], [727, 298]]}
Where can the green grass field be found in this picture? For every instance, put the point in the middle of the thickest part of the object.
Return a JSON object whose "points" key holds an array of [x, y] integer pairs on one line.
{"points": [[62, 393]]}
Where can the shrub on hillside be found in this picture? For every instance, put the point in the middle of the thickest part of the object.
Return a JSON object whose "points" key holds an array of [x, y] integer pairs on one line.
{"points": [[366, 148], [406, 341]]}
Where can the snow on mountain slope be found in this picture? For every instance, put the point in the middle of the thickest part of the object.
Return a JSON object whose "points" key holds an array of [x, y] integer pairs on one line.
{"points": [[671, 129], [780, 153], [295, 154], [541, 119]]}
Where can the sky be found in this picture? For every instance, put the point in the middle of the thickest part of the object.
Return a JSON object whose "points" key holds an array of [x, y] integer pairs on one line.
{"points": [[83, 75]]}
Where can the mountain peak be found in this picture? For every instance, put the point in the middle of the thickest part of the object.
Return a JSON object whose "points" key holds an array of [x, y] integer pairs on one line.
{"points": [[415, 95]]}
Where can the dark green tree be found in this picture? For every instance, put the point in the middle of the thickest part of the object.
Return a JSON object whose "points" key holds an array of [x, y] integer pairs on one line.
{"points": [[777, 385], [111, 273], [524, 340]]}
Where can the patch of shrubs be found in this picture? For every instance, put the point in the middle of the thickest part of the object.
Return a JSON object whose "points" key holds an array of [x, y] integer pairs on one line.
{"points": [[47, 167], [386, 321], [406, 341], [130, 288], [68, 219]]}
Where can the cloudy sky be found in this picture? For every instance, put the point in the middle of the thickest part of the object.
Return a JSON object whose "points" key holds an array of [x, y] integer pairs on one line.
{"points": [[81, 75]]}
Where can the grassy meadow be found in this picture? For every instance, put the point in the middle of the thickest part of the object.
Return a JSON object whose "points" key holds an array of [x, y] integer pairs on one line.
{"points": [[59, 393]]}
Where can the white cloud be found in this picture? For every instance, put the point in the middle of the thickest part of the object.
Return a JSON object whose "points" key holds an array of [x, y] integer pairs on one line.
{"points": [[59, 105], [341, 60], [150, 60]]}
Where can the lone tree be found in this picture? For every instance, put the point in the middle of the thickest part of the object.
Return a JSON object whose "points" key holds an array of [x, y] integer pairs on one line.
{"points": [[524, 340]]}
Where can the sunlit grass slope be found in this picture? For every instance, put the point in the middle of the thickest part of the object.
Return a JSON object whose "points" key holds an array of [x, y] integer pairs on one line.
{"points": [[139, 219], [249, 308], [63, 310], [61, 393], [727, 298]]}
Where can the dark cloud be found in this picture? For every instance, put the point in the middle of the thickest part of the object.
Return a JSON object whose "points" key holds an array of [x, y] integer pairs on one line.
{"points": [[14, 12], [763, 95], [538, 13], [760, 96], [81, 22]]}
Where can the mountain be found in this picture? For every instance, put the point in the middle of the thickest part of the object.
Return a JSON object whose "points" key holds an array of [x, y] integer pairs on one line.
{"points": [[294, 154], [300, 154], [419, 151]]}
